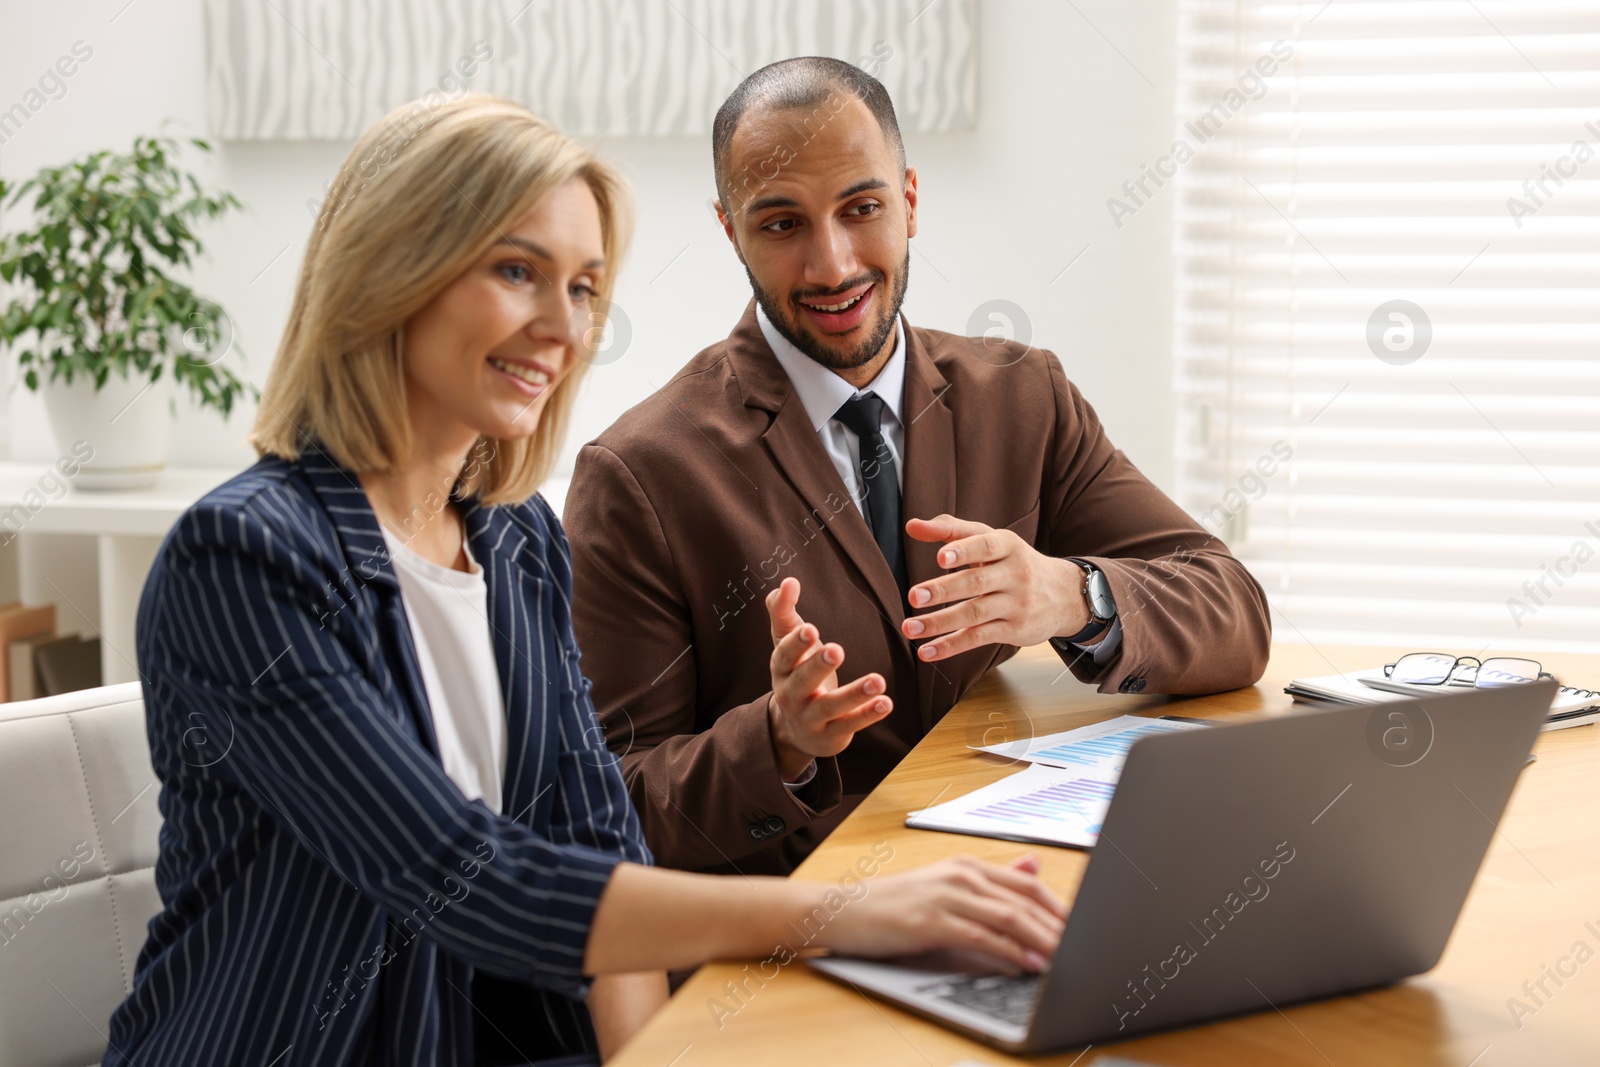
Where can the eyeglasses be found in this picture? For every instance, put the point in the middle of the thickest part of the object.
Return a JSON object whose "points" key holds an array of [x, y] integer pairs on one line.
{"points": [[1441, 668]]}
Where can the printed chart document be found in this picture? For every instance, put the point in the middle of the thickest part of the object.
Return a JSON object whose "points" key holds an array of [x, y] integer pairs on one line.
{"points": [[1101, 746], [1041, 804], [1061, 799]]}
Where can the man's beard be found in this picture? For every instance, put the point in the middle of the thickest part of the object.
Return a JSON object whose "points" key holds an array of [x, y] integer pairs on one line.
{"points": [[778, 311]]}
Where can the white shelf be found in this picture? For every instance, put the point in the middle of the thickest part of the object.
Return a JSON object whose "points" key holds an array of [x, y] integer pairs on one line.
{"points": [[129, 525], [107, 512]]}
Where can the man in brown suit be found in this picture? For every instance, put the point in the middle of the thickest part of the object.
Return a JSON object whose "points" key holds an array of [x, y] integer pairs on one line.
{"points": [[927, 503]]}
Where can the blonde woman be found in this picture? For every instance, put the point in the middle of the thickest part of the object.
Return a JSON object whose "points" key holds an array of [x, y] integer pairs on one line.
{"points": [[392, 832]]}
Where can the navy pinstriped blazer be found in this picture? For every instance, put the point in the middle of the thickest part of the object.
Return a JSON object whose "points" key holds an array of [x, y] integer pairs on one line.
{"points": [[329, 896]]}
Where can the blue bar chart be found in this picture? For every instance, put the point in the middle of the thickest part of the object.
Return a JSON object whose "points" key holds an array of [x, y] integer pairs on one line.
{"points": [[1081, 798], [1061, 798], [1098, 751]]}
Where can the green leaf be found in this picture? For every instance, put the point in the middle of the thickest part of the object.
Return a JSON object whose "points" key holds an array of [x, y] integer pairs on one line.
{"points": [[91, 271]]}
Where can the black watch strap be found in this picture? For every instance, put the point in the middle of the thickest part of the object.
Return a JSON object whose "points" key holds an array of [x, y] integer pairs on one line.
{"points": [[1094, 629]]}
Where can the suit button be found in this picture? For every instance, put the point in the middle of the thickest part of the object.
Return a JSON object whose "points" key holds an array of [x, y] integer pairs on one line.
{"points": [[1132, 685], [766, 828]]}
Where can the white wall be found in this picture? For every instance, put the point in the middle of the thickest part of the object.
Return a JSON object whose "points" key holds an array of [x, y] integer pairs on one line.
{"points": [[1063, 120], [1070, 105]]}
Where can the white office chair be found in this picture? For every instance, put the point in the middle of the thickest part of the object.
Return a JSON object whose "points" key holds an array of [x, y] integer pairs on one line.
{"points": [[78, 839]]}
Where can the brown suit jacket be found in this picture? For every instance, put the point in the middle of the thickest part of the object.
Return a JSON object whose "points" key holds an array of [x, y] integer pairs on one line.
{"points": [[701, 499]]}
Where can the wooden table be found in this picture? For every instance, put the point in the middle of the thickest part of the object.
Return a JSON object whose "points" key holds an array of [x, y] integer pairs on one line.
{"points": [[1528, 910]]}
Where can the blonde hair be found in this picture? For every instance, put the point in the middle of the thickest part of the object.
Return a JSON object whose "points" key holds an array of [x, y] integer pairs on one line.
{"points": [[420, 198]]}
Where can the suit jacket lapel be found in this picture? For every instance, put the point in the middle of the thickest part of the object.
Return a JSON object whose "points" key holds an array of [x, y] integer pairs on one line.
{"points": [[928, 481], [369, 570], [793, 443], [515, 592]]}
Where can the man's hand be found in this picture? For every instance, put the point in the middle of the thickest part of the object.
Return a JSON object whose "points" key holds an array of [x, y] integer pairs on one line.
{"points": [[1002, 591], [811, 713]]}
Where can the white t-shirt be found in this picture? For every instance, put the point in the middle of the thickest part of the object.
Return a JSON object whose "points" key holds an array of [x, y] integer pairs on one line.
{"points": [[449, 615]]}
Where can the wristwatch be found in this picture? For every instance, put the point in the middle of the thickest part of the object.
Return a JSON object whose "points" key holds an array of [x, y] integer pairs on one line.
{"points": [[1102, 609]]}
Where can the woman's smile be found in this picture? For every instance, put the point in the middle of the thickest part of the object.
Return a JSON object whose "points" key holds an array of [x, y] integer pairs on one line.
{"points": [[528, 377]]}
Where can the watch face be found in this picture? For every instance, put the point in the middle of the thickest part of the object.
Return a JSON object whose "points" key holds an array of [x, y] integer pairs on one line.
{"points": [[1100, 601]]}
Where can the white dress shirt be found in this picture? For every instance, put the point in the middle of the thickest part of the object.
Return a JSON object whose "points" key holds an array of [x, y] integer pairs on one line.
{"points": [[822, 392], [449, 615]]}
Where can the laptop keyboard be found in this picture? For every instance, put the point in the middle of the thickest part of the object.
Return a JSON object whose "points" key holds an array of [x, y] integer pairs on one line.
{"points": [[1004, 997]]}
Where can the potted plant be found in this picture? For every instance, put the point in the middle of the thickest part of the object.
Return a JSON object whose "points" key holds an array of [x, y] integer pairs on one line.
{"points": [[111, 331]]}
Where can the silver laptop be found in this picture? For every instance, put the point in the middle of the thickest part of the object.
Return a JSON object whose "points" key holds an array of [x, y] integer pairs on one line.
{"points": [[1251, 866]]}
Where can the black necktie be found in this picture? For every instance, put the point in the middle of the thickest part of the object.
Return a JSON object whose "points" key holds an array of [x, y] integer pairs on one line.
{"points": [[880, 497]]}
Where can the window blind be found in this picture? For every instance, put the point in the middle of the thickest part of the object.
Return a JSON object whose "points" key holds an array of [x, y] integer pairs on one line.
{"points": [[1387, 332]]}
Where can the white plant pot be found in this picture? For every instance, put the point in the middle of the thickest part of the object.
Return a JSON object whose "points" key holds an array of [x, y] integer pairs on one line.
{"points": [[126, 423]]}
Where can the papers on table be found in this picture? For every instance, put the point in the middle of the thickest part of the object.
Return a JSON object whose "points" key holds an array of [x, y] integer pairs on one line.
{"points": [[1338, 689], [1098, 748], [1043, 804], [1571, 707], [1061, 799]]}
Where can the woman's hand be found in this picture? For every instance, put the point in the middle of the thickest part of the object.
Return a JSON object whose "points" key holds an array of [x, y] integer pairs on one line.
{"points": [[964, 903], [619, 1004], [649, 917]]}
